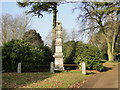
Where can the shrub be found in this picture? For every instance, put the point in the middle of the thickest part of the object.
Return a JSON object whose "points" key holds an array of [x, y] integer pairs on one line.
{"points": [[41, 56], [91, 55], [17, 51], [77, 52], [14, 52], [69, 52]]}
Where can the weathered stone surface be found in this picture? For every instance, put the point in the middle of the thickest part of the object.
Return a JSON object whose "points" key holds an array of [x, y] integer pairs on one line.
{"points": [[33, 37], [19, 67], [58, 48], [52, 67], [83, 68]]}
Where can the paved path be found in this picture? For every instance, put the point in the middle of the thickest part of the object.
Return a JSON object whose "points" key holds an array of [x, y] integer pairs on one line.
{"points": [[107, 79]]}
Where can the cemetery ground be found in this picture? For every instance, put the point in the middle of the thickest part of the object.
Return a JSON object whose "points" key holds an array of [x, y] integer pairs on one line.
{"points": [[65, 79]]}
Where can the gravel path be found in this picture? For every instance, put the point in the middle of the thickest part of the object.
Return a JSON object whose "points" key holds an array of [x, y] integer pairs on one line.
{"points": [[107, 79]]}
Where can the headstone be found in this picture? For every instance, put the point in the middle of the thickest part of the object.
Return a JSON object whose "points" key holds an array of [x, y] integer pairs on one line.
{"points": [[83, 68], [19, 67], [58, 47], [52, 67]]}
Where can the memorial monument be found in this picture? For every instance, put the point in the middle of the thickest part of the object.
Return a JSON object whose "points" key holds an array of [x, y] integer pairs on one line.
{"points": [[58, 48]]}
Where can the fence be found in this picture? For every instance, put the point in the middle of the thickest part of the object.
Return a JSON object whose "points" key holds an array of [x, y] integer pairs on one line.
{"points": [[35, 68], [47, 68]]}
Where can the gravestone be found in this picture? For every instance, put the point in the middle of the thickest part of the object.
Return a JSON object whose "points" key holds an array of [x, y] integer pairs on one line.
{"points": [[19, 67], [58, 48], [83, 68]]}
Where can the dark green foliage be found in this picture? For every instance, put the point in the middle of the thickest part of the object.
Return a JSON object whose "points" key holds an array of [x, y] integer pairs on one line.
{"points": [[69, 52], [37, 8], [13, 52], [33, 37], [41, 57], [17, 51], [47, 55], [77, 52], [91, 55], [105, 7]]}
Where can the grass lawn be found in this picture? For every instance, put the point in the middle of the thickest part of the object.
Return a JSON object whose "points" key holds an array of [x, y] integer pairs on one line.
{"points": [[110, 64], [45, 79], [42, 79], [15, 80]]}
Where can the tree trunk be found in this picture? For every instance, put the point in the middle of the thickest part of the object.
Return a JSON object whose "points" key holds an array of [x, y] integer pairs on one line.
{"points": [[115, 36], [109, 50], [110, 55], [54, 25], [111, 42]]}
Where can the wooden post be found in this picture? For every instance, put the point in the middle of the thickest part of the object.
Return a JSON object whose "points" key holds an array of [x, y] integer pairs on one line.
{"points": [[19, 68]]}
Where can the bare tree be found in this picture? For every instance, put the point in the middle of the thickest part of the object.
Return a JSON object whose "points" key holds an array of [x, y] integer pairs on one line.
{"points": [[102, 13], [13, 27], [48, 38], [66, 36], [74, 35]]}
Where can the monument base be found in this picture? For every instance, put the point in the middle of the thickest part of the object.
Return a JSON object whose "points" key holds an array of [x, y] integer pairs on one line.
{"points": [[58, 68], [58, 62]]}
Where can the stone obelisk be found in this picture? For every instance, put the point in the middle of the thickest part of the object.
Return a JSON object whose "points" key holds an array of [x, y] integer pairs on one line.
{"points": [[58, 47]]}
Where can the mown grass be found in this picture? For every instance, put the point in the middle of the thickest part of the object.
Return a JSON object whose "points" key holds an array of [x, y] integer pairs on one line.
{"points": [[42, 79], [45, 79], [110, 64], [15, 80]]}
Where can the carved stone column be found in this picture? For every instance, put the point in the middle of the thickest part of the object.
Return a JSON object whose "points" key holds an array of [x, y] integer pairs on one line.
{"points": [[58, 47]]}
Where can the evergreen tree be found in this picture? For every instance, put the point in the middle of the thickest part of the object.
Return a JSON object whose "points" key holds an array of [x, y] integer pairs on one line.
{"points": [[37, 8]]}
